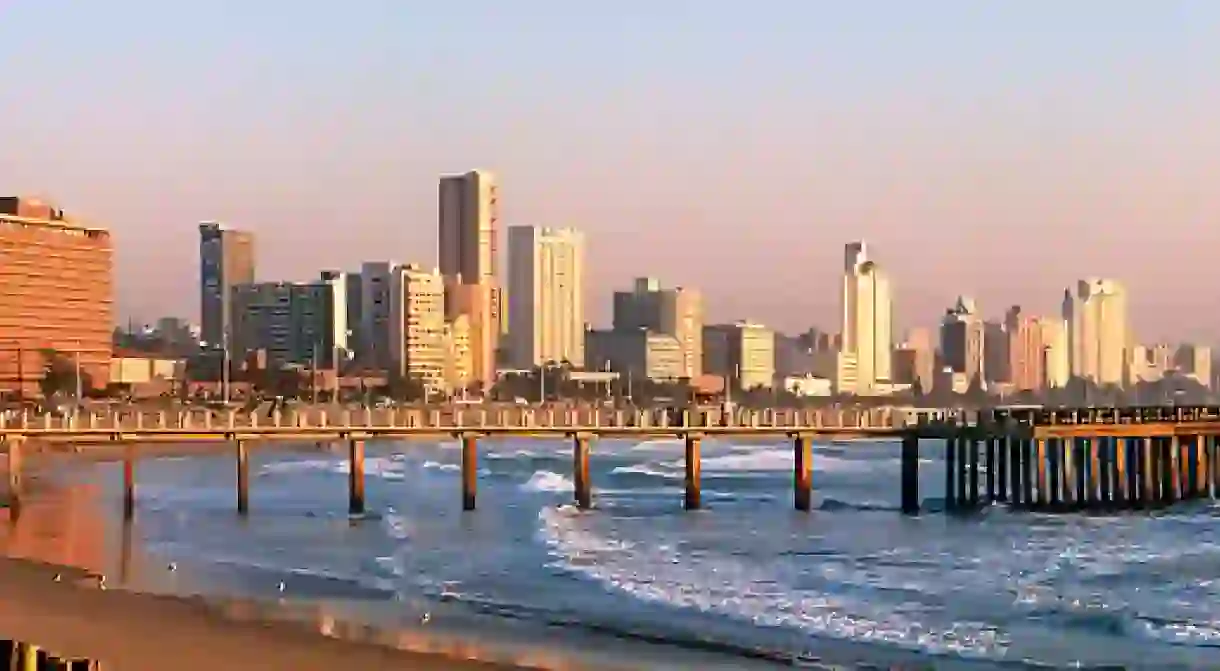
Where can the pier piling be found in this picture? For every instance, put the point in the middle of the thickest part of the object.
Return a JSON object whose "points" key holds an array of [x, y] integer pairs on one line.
{"points": [[583, 486], [972, 454], [989, 461], [694, 498], [910, 474], [355, 476], [243, 478], [802, 476], [950, 474], [470, 470], [129, 482], [15, 485]]}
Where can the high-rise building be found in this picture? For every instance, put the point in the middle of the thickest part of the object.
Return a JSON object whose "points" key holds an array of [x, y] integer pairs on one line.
{"points": [[1096, 317], [1056, 362], [301, 323], [355, 314], [742, 353], [226, 259], [961, 340], [546, 311], [996, 354], [1026, 350], [468, 227], [867, 336], [1194, 361], [419, 339], [376, 279], [674, 312], [56, 293], [915, 360]]}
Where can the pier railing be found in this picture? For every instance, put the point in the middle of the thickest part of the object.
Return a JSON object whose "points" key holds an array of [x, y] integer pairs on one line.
{"points": [[450, 419]]}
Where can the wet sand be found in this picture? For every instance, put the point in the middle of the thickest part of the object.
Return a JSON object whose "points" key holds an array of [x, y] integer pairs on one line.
{"points": [[133, 632]]}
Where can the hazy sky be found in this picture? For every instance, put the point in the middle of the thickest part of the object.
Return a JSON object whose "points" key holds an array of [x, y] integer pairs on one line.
{"points": [[1001, 149]]}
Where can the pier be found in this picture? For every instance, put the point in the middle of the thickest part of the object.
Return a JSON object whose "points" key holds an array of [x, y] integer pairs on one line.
{"points": [[1071, 460], [1047, 460], [27, 657], [353, 428]]}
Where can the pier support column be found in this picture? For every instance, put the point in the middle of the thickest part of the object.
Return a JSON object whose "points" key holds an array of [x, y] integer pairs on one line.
{"points": [[1027, 472], [993, 445], [13, 445], [694, 466], [910, 474], [582, 485], [972, 454], [1105, 471], [1040, 458], [1149, 482], [950, 474], [470, 470], [802, 472], [1001, 476], [1054, 464], [963, 472], [243, 478], [1168, 470], [1202, 463], [1094, 488], [355, 476], [129, 481]]}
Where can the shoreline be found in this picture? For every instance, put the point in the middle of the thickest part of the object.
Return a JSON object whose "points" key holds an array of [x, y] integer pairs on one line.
{"points": [[134, 631]]}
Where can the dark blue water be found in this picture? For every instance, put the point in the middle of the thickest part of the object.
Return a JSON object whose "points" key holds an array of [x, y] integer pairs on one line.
{"points": [[747, 578]]}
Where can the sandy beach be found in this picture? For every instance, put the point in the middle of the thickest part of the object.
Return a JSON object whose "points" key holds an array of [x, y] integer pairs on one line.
{"points": [[49, 596], [134, 632]]}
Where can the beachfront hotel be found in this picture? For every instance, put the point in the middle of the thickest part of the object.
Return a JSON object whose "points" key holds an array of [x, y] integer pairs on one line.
{"points": [[58, 294]]}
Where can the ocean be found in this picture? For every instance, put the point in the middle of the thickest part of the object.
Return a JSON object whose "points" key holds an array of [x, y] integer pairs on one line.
{"points": [[638, 582]]}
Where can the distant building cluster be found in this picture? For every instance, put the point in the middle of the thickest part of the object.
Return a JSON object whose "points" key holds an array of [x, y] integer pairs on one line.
{"points": [[461, 324]]}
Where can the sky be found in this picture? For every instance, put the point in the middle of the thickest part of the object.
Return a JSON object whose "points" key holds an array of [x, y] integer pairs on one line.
{"points": [[997, 149]]}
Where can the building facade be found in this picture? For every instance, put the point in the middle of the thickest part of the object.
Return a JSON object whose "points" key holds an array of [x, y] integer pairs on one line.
{"points": [[58, 294], [419, 340], [961, 341], [468, 236], [1026, 350], [1096, 317], [226, 259], [867, 327], [376, 278], [742, 353], [546, 305], [638, 354], [301, 323], [674, 312]]}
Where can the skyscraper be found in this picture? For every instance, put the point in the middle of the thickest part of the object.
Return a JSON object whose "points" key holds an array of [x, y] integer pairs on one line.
{"points": [[226, 259], [866, 354], [1096, 317], [418, 335], [1026, 350], [468, 213], [546, 311], [962, 340]]}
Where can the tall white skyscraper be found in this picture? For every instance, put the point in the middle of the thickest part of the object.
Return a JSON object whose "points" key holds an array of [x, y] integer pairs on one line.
{"points": [[546, 283], [417, 325], [867, 335], [1096, 318]]}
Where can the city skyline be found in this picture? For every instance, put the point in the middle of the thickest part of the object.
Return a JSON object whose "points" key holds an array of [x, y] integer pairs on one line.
{"points": [[1001, 135]]}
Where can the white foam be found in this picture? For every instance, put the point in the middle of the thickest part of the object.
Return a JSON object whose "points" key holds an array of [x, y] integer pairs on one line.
{"points": [[437, 466], [658, 445], [377, 467], [546, 481], [753, 592]]}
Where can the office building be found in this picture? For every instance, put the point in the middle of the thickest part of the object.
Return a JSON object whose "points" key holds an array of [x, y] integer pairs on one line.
{"points": [[915, 360], [742, 353], [637, 354], [468, 230], [961, 341], [546, 305], [355, 314], [419, 339], [376, 278], [1056, 362], [226, 259], [996, 354], [674, 312], [1026, 350], [57, 294], [1148, 363], [867, 339], [1096, 318], [1194, 361], [301, 323]]}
